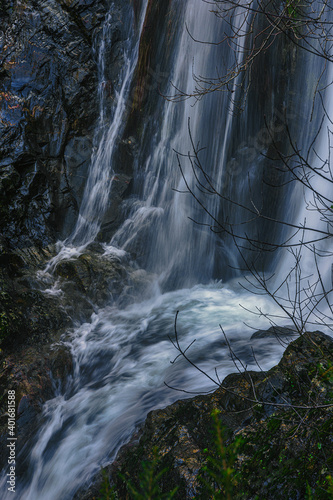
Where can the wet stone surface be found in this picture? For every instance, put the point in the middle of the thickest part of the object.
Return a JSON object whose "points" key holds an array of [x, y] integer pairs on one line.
{"points": [[49, 105]]}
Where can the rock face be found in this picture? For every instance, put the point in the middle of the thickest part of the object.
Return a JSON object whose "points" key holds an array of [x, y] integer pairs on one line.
{"points": [[286, 436], [49, 107], [49, 104]]}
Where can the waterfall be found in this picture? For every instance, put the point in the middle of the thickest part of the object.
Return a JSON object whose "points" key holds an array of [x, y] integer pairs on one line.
{"points": [[98, 185], [181, 252], [110, 124], [122, 356], [310, 283]]}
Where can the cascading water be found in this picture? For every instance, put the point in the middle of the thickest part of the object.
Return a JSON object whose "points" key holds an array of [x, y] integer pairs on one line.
{"points": [[181, 254], [122, 356], [108, 132], [311, 281], [121, 360]]}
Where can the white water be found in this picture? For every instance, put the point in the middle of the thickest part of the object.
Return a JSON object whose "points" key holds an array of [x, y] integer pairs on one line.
{"points": [[121, 361], [311, 280], [122, 357], [182, 253]]}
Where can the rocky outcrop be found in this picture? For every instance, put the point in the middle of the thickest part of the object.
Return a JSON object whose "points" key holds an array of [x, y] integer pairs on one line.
{"points": [[34, 373], [285, 429], [27, 314], [95, 278]]}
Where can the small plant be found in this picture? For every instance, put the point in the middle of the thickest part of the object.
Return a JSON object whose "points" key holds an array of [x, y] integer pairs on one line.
{"points": [[292, 8], [326, 372], [107, 492], [329, 485], [220, 464], [308, 492], [149, 478]]}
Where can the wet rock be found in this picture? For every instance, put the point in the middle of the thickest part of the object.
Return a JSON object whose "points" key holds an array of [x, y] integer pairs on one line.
{"points": [[34, 373], [89, 281], [36, 308], [94, 279], [150, 80], [27, 314], [121, 186], [279, 415], [275, 331], [30, 321], [49, 104]]}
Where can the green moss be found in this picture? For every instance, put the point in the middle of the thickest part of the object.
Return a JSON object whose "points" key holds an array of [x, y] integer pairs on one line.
{"points": [[273, 423], [293, 8], [285, 456], [4, 323]]}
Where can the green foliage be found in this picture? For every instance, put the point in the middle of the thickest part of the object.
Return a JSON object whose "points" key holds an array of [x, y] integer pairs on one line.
{"points": [[4, 324], [292, 8], [326, 372], [308, 492], [326, 490], [107, 492], [149, 478], [218, 475], [329, 485], [219, 478], [273, 424]]}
